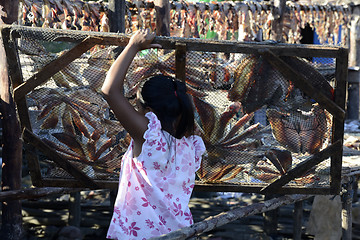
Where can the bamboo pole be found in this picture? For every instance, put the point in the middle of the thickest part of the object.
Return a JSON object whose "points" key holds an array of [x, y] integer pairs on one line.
{"points": [[226, 217]]}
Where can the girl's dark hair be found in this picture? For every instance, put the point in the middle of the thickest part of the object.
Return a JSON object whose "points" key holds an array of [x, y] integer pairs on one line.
{"points": [[167, 98]]}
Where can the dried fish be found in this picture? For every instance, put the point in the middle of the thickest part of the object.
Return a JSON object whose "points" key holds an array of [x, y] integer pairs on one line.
{"points": [[227, 147], [300, 132]]}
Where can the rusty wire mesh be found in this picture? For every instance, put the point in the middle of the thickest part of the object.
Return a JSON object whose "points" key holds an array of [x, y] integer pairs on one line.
{"points": [[255, 123]]}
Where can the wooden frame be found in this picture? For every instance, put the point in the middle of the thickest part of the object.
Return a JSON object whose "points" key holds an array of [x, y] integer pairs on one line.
{"points": [[86, 40]]}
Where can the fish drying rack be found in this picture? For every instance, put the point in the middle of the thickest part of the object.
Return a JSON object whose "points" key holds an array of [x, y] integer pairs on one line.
{"points": [[271, 115]]}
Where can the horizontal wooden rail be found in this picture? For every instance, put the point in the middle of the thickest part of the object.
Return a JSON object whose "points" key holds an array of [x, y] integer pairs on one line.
{"points": [[33, 193], [192, 44]]}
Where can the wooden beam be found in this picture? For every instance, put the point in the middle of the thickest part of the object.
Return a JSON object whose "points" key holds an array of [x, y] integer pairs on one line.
{"points": [[206, 45], [301, 168], [303, 84], [63, 163], [225, 217], [53, 67], [33, 193]]}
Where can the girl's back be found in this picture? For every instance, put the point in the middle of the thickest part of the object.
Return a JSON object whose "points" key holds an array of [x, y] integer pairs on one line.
{"points": [[155, 187]]}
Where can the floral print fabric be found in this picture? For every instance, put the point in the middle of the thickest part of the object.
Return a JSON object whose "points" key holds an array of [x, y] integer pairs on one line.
{"points": [[155, 187]]}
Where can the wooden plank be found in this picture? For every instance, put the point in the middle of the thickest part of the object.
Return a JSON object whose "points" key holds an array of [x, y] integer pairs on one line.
{"points": [[301, 168], [180, 61], [300, 50], [226, 187], [338, 123], [33, 193], [229, 216], [17, 79], [53, 67], [63, 163], [303, 84]]}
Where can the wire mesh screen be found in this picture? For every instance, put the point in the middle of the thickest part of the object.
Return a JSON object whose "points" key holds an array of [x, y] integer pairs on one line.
{"points": [[256, 124], [242, 148], [68, 112]]}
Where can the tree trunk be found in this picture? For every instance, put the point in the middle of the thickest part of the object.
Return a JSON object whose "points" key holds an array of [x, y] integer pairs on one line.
{"points": [[12, 144]]}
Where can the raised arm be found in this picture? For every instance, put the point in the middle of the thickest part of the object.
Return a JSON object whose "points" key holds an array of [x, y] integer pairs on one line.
{"points": [[134, 122]]}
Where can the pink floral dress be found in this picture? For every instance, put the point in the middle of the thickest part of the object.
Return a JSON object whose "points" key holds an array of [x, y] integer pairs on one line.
{"points": [[155, 187]]}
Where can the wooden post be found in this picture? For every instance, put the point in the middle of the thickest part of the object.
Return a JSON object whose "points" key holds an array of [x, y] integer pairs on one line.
{"points": [[117, 15], [180, 61], [354, 54], [277, 25], [353, 93], [298, 214], [354, 64], [75, 209], [338, 123], [16, 77], [271, 219], [11, 10], [162, 8], [12, 145], [347, 210]]}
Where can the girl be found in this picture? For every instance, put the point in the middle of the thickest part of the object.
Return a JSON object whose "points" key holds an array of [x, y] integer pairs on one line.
{"points": [[158, 169]]}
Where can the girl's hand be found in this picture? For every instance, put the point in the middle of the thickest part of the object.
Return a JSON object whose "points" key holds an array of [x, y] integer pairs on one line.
{"points": [[142, 40]]}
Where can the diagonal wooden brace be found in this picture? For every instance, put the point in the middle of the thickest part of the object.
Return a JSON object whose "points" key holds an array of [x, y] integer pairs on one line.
{"points": [[303, 167], [303, 84], [32, 139], [55, 66]]}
